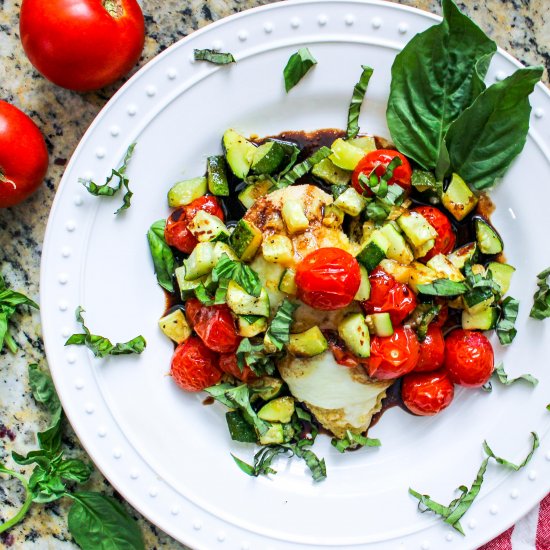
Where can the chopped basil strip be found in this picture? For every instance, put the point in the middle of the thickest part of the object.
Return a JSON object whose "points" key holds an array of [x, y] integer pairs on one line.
{"points": [[503, 377], [443, 287], [509, 464], [212, 56], [105, 190], [506, 330], [357, 97], [337, 190], [239, 428], [292, 152], [203, 296], [297, 66], [101, 346], [421, 318], [255, 357], [163, 257], [425, 180], [241, 273], [541, 299], [304, 167], [353, 441], [376, 212], [279, 329]]}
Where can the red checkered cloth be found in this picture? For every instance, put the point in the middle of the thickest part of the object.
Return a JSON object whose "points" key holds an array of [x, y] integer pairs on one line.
{"points": [[530, 533]]}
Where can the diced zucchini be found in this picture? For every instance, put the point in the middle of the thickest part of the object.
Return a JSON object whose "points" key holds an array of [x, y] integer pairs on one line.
{"points": [[461, 255], [458, 198], [267, 157], [444, 266], [485, 319], [487, 237], [207, 227], [333, 216], [330, 173], [294, 216], [398, 249], [381, 324], [269, 346], [366, 143], [242, 303], [245, 240], [351, 202], [251, 193], [287, 283], [355, 333], [278, 410], [477, 300], [175, 326], [421, 275], [344, 155], [364, 289], [266, 387], [239, 153], [216, 173], [401, 273], [308, 343], [423, 249], [186, 287], [416, 227], [273, 436], [249, 328], [223, 248], [374, 251], [185, 192], [502, 275], [278, 249], [200, 262]]}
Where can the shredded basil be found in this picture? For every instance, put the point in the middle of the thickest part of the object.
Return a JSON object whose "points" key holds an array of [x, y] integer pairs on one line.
{"points": [[541, 298], [421, 318], [279, 329], [163, 257], [359, 91], [425, 180], [255, 357], [304, 167], [337, 190], [297, 66], [212, 56], [511, 465], [239, 272], [443, 287], [504, 379], [506, 330], [353, 441]]}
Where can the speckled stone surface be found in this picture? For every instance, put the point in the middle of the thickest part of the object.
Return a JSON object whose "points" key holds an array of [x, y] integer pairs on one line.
{"points": [[522, 27]]}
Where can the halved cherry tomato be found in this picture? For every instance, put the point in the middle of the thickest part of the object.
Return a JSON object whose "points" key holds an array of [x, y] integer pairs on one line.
{"points": [[432, 350], [228, 364], [387, 295], [344, 357], [177, 232], [193, 307], [194, 366], [216, 328], [469, 358], [328, 278], [427, 393], [446, 238], [378, 161], [393, 356]]}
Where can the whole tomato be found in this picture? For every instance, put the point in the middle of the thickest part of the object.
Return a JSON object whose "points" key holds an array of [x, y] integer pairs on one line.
{"points": [[378, 161], [228, 364], [469, 358], [216, 328], [328, 278], [427, 393], [193, 307], [393, 356], [446, 238], [23, 155], [82, 44], [387, 295], [177, 232], [432, 350], [194, 366]]}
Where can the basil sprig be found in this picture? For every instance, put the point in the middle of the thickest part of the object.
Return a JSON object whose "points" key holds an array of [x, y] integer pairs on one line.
{"points": [[359, 91], [297, 66], [279, 328], [302, 168], [163, 257], [212, 56], [106, 190], [101, 346], [541, 298], [353, 441]]}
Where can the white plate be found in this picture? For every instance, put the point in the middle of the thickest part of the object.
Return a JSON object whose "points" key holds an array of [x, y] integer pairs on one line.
{"points": [[164, 451]]}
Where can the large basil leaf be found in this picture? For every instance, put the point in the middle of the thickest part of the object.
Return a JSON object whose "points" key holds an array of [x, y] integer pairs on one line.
{"points": [[434, 78], [487, 137], [163, 257]]}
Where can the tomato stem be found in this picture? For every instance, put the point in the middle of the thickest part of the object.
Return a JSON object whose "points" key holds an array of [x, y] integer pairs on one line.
{"points": [[114, 8]]}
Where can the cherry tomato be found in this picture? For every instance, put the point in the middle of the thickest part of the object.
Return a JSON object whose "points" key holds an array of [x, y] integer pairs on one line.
{"points": [[387, 295], [82, 44], [328, 278], [193, 307], [393, 356], [177, 232], [228, 364], [344, 357], [446, 238], [216, 328], [194, 366], [441, 317], [427, 393], [378, 161], [432, 350], [469, 358], [23, 156]]}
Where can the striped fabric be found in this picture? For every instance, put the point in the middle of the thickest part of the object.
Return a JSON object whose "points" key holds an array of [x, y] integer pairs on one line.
{"points": [[531, 532]]}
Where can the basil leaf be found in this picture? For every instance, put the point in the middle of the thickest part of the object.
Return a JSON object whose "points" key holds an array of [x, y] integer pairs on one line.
{"points": [[202, 295], [304, 167], [239, 428], [22, 512], [245, 467], [541, 298], [163, 257], [254, 356], [73, 469], [434, 78], [505, 328], [218, 393], [503, 377], [511, 465], [353, 441], [279, 328], [316, 466], [421, 318], [101, 346], [241, 273], [423, 180], [212, 56], [485, 139], [99, 521], [292, 152], [359, 91], [297, 66], [239, 397], [443, 287], [337, 190]]}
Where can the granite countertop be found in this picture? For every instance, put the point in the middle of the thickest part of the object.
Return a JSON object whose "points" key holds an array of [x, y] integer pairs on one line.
{"points": [[520, 27]]}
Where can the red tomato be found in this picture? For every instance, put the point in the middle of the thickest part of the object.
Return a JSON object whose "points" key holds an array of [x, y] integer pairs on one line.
{"points": [[344, 357], [216, 328], [177, 233], [469, 358], [427, 393], [387, 295], [393, 356], [446, 238], [328, 278], [194, 366], [378, 161], [228, 363], [441, 317], [193, 307], [432, 350], [23, 155], [82, 44]]}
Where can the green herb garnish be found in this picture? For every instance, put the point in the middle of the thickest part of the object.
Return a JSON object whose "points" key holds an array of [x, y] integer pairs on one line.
{"points": [[242, 274], [504, 379], [163, 257], [353, 441], [541, 299], [506, 330], [443, 287], [357, 97], [304, 167], [212, 56], [297, 66], [279, 328]]}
